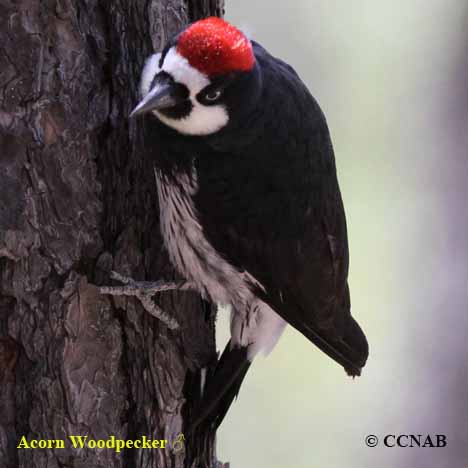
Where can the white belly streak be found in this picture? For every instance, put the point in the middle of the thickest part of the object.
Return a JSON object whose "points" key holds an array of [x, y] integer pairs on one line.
{"points": [[253, 323]]}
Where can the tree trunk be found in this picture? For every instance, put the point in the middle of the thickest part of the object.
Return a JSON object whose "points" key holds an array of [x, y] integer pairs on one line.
{"points": [[78, 199]]}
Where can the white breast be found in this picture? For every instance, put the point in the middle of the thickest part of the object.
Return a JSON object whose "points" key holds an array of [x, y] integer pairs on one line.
{"points": [[189, 250], [253, 323]]}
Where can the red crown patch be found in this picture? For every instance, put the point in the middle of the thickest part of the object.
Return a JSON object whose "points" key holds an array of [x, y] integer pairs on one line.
{"points": [[213, 46]]}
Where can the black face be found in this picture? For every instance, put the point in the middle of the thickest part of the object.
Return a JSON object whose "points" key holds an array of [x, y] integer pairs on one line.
{"points": [[224, 104], [217, 91], [239, 92], [229, 89], [180, 93]]}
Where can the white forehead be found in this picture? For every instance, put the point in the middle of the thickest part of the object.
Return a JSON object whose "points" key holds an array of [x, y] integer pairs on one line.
{"points": [[183, 72], [178, 67], [150, 69], [202, 120]]}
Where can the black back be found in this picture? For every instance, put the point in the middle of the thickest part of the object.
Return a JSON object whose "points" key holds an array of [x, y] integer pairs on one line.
{"points": [[270, 204]]}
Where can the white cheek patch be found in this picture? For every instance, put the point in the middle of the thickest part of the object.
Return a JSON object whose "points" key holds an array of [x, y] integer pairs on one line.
{"points": [[202, 120]]}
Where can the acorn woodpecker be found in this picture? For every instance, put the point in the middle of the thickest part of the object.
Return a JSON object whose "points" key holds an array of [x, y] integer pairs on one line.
{"points": [[250, 208]]}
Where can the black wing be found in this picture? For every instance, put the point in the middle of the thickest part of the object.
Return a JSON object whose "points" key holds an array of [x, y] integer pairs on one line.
{"points": [[273, 207]]}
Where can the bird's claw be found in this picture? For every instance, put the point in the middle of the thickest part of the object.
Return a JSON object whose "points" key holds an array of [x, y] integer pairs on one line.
{"points": [[143, 291]]}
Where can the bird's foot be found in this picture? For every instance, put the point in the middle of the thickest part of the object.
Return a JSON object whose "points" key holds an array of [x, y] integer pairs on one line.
{"points": [[143, 291]]}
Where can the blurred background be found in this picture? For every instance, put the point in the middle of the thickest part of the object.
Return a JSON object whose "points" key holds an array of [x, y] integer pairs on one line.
{"points": [[392, 79]]}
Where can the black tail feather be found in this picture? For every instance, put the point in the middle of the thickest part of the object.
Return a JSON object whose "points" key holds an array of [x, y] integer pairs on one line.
{"points": [[221, 388], [351, 351]]}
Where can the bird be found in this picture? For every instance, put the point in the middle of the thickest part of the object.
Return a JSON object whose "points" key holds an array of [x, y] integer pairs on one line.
{"points": [[251, 212]]}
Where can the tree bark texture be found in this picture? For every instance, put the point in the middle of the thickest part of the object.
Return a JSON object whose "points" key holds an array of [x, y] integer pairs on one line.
{"points": [[78, 199]]}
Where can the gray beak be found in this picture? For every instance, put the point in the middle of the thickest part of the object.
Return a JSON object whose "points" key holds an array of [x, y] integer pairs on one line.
{"points": [[161, 96]]}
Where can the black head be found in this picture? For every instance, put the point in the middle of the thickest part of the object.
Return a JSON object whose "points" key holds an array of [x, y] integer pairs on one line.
{"points": [[205, 80]]}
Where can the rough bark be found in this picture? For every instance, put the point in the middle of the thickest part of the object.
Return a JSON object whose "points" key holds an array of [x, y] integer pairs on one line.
{"points": [[77, 199]]}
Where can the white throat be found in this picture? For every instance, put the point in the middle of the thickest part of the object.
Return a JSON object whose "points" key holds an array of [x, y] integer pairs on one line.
{"points": [[202, 120]]}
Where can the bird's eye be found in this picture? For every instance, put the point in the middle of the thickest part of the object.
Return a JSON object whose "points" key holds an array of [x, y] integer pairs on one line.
{"points": [[213, 95]]}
